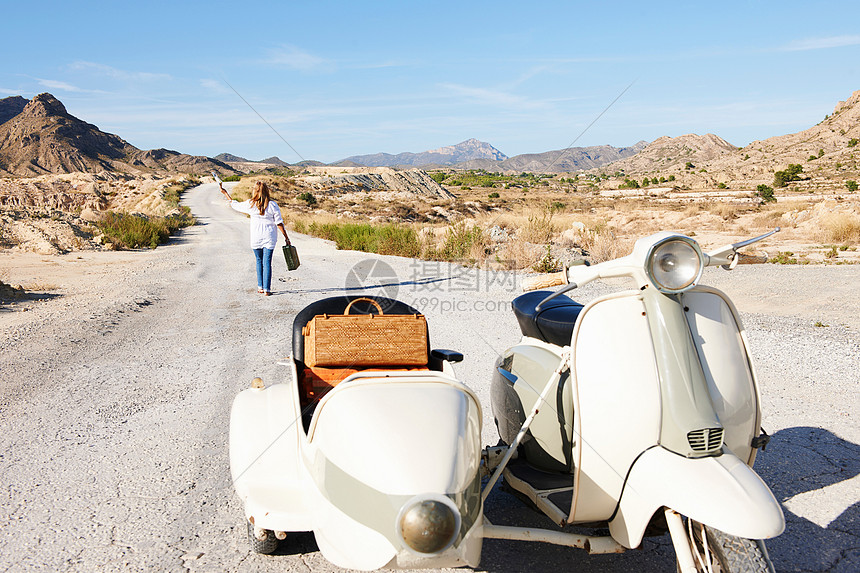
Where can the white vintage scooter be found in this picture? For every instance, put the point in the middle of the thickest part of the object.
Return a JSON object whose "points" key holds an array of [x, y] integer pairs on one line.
{"points": [[638, 411]]}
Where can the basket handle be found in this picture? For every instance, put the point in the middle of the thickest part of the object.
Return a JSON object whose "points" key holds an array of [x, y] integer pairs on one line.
{"points": [[370, 300]]}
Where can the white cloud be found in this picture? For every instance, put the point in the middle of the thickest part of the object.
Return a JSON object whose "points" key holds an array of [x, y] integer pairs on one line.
{"points": [[58, 85], [215, 86], [110, 71], [295, 59], [491, 96], [822, 43]]}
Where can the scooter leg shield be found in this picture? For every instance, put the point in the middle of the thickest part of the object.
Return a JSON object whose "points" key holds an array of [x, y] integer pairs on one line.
{"points": [[722, 492]]}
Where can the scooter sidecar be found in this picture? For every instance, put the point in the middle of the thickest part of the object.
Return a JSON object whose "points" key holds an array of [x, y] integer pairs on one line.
{"points": [[381, 463]]}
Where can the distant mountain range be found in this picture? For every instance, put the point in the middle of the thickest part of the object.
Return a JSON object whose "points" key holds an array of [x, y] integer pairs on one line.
{"points": [[39, 136], [448, 155], [474, 154]]}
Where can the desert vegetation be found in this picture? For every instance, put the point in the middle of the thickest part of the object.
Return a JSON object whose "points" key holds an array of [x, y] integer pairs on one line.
{"points": [[124, 230], [540, 221]]}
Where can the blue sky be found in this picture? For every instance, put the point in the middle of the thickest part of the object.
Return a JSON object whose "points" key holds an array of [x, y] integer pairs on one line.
{"points": [[336, 79]]}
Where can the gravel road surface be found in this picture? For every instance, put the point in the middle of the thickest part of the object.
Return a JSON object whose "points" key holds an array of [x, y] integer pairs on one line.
{"points": [[116, 384]]}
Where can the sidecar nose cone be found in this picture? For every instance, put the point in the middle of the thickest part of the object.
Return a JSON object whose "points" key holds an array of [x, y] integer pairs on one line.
{"points": [[428, 526]]}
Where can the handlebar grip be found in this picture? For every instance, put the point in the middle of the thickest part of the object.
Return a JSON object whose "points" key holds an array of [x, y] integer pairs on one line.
{"points": [[545, 281]]}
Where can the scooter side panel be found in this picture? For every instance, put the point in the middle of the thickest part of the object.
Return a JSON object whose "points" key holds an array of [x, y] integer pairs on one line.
{"points": [[264, 458], [727, 367], [521, 374], [617, 401], [721, 492], [375, 445]]}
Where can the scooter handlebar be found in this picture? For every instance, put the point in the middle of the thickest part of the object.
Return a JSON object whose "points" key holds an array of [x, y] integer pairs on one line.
{"points": [[545, 281]]}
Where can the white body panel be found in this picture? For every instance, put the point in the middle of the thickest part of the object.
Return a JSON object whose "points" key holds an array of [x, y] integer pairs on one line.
{"points": [[264, 458], [727, 366], [416, 421], [616, 401], [722, 492], [376, 441]]}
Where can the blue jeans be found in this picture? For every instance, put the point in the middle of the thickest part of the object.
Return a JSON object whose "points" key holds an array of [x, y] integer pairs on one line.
{"points": [[264, 268]]}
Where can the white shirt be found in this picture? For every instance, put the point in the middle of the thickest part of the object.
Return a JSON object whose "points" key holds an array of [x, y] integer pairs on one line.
{"points": [[264, 228]]}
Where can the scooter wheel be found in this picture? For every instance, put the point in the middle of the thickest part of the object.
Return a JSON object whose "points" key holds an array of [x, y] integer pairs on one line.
{"points": [[265, 547], [727, 553]]}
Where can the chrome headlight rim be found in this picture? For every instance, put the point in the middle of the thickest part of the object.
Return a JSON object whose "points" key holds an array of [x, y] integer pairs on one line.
{"points": [[650, 259], [416, 502]]}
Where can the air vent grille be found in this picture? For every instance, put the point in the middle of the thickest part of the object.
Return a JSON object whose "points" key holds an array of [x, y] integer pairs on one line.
{"points": [[706, 439]]}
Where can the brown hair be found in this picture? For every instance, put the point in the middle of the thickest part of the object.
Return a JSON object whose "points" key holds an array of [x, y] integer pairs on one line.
{"points": [[260, 197]]}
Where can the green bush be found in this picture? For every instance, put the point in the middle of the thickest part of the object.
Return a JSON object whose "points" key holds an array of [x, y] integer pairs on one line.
{"points": [[851, 185], [852, 142], [388, 239], [791, 173], [493, 195], [307, 197], [137, 231], [459, 242], [766, 193], [438, 177], [548, 263]]}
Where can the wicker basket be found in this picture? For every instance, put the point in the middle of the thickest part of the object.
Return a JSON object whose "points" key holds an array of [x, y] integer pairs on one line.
{"points": [[356, 340]]}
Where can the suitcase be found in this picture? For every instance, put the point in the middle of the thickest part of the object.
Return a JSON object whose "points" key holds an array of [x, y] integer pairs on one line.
{"points": [[292, 257]]}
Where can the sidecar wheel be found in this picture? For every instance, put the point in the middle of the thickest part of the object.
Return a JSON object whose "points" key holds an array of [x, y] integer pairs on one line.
{"points": [[265, 547], [726, 553]]}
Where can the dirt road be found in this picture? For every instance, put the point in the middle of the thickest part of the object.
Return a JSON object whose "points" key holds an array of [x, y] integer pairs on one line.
{"points": [[115, 393]]}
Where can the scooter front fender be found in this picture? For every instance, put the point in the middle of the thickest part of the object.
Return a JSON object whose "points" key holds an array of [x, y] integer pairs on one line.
{"points": [[722, 492]]}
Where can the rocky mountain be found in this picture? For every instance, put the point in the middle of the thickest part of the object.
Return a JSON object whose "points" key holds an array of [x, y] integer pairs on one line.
{"points": [[827, 153], [474, 154], [448, 155], [42, 137], [564, 160], [10, 107], [228, 157], [675, 153], [275, 160]]}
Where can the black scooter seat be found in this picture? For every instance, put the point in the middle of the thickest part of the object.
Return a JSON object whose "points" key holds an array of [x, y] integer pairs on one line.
{"points": [[554, 323]]}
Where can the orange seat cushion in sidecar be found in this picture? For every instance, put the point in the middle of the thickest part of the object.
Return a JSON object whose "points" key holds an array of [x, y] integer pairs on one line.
{"points": [[316, 381]]}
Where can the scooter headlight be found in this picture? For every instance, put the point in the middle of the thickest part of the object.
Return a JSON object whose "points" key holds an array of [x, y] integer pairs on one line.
{"points": [[428, 524], [675, 264]]}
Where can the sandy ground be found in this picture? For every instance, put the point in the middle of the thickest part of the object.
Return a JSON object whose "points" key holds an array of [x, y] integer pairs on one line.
{"points": [[117, 378]]}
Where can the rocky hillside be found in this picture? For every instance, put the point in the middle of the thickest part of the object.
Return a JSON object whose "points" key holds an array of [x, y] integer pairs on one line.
{"points": [[346, 180], [40, 137], [449, 155], [10, 107], [827, 153]]}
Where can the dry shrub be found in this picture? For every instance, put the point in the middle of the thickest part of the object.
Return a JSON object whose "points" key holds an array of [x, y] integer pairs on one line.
{"points": [[539, 228], [768, 219], [517, 254], [463, 241], [840, 228], [725, 210], [602, 243]]}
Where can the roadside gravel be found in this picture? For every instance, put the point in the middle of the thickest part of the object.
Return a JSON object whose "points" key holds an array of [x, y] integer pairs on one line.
{"points": [[115, 392]]}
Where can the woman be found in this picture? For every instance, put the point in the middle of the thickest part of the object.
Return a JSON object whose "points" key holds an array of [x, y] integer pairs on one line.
{"points": [[265, 222]]}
